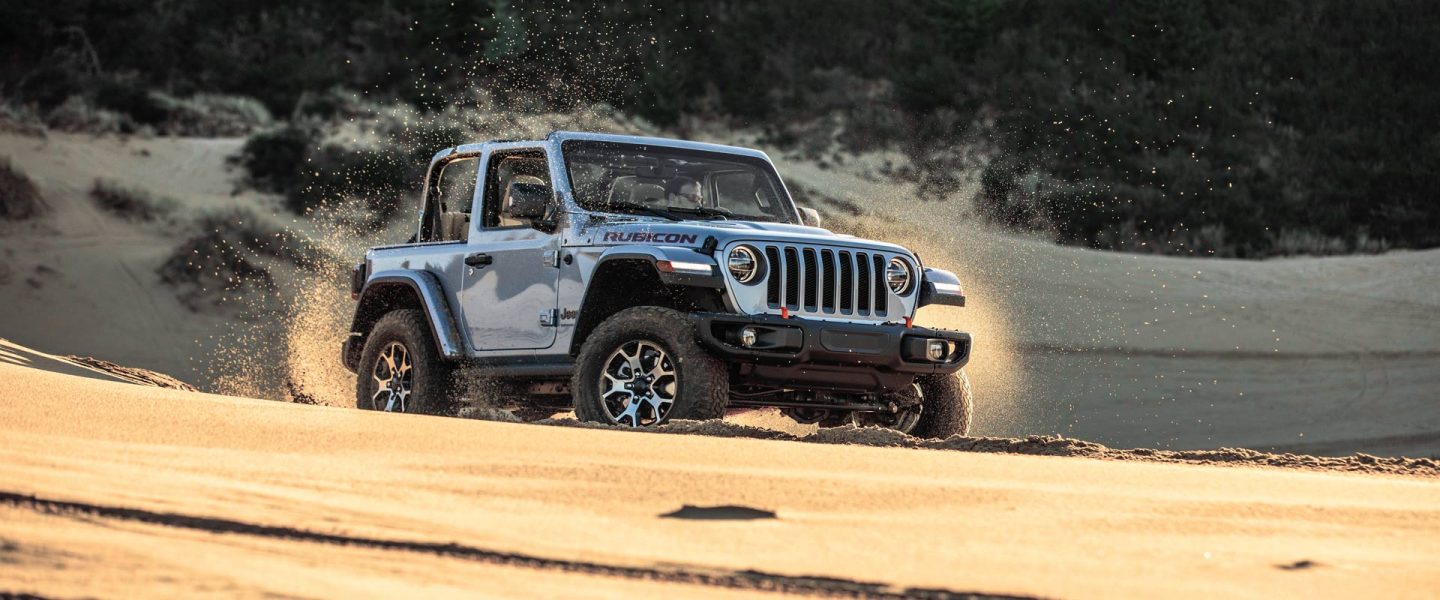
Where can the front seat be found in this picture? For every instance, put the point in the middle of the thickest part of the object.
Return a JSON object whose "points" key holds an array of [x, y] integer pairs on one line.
{"points": [[454, 226], [636, 190], [505, 219]]}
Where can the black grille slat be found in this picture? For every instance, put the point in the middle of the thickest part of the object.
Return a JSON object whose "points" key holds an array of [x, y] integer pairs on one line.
{"points": [[881, 286], [863, 294], [772, 286], [827, 281], [812, 280], [792, 278], [847, 283]]}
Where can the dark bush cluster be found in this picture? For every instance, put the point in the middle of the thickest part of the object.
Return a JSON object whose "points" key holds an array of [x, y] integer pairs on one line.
{"points": [[127, 106], [1236, 128], [130, 203], [19, 198], [309, 173], [232, 256]]}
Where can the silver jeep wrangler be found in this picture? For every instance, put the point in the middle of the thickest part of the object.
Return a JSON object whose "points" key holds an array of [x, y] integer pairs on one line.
{"points": [[641, 280]]}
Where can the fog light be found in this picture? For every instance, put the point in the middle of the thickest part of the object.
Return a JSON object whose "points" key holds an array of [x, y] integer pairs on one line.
{"points": [[747, 337], [937, 350]]}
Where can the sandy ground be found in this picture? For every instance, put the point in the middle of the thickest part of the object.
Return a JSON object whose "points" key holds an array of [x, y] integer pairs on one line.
{"points": [[1326, 356], [149, 491], [81, 281]]}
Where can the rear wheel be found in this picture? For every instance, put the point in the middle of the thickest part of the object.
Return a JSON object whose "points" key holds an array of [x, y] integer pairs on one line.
{"points": [[400, 369], [642, 367]]}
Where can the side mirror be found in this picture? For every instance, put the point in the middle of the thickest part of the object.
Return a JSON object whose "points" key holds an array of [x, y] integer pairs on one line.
{"points": [[809, 216], [529, 200]]}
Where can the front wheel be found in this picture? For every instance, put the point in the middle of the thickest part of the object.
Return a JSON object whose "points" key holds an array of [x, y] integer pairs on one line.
{"points": [[400, 369], [642, 367], [935, 406]]}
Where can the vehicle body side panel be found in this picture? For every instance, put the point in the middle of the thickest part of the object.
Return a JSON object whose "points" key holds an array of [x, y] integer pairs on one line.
{"points": [[502, 303]]}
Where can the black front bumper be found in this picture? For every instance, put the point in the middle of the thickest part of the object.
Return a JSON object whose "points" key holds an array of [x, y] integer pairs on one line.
{"points": [[805, 353]]}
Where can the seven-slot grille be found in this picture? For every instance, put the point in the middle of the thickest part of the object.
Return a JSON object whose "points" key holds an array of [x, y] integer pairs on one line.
{"points": [[805, 279]]}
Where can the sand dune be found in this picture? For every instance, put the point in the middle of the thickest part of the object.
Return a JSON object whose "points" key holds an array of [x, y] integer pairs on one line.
{"points": [[162, 492], [1326, 356]]}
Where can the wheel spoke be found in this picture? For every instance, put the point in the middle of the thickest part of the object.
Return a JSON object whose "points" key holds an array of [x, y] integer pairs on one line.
{"points": [[662, 368], [632, 409], [617, 385], [633, 360], [659, 405]]}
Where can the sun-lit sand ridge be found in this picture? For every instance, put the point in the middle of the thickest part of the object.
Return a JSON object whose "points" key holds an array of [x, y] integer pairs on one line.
{"points": [[161, 492]]}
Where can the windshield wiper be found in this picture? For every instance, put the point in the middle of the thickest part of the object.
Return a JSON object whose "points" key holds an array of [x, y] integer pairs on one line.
{"points": [[704, 211], [646, 209]]}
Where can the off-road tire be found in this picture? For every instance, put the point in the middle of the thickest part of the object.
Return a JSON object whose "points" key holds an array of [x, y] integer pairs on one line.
{"points": [[703, 381], [431, 381], [947, 407]]}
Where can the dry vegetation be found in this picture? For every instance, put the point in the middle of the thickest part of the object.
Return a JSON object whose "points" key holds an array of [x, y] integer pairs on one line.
{"points": [[130, 203], [230, 262], [127, 110], [19, 198]]}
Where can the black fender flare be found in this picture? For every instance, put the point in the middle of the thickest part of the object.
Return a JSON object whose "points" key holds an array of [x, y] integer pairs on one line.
{"points": [[429, 294], [684, 264], [684, 270]]}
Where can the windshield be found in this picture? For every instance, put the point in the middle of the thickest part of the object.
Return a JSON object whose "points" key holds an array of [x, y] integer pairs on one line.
{"points": [[674, 183]]}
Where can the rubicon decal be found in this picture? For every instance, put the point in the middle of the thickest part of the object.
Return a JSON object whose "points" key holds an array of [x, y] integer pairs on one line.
{"points": [[647, 237]]}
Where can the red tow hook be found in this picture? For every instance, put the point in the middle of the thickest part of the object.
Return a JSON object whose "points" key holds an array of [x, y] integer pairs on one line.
{"points": [[784, 312], [909, 322]]}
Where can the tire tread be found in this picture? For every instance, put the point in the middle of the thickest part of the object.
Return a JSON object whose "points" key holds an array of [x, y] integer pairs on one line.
{"points": [[705, 380]]}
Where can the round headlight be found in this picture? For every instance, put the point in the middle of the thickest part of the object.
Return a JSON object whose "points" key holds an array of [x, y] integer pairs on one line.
{"points": [[744, 264], [897, 274]]}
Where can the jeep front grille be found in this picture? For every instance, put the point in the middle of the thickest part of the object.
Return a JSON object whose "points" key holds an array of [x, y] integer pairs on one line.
{"points": [[826, 281]]}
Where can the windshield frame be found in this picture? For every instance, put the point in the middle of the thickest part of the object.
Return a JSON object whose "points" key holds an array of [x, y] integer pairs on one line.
{"points": [[763, 166]]}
